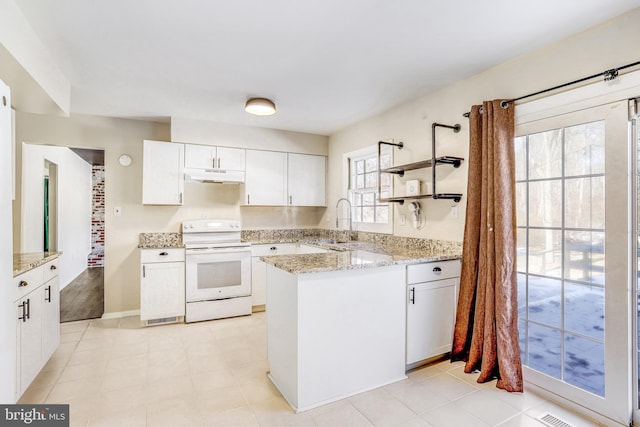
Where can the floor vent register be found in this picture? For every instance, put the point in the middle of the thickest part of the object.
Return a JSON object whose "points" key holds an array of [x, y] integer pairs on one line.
{"points": [[553, 421]]}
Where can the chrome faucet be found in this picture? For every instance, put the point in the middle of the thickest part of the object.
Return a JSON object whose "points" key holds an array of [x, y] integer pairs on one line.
{"points": [[337, 218]]}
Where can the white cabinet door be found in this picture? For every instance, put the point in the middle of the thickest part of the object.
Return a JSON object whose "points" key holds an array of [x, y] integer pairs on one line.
{"points": [[162, 173], [50, 294], [162, 290], [266, 178], [431, 312], [231, 158], [29, 338], [306, 180], [199, 156]]}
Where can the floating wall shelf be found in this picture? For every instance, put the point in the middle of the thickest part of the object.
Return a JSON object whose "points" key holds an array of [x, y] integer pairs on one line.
{"points": [[431, 163]]}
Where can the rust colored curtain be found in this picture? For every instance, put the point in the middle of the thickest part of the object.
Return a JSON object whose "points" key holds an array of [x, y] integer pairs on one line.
{"points": [[486, 330]]}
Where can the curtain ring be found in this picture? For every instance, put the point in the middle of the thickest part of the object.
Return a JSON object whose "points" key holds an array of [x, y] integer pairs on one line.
{"points": [[481, 110], [504, 104]]}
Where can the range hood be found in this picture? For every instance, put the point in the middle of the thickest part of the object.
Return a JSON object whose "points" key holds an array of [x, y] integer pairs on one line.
{"points": [[214, 175]]}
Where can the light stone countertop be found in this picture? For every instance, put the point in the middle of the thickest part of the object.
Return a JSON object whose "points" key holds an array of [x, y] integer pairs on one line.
{"points": [[355, 255], [160, 240], [23, 262]]}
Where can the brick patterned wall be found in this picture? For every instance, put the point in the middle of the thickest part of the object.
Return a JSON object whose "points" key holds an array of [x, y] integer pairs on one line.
{"points": [[96, 257]]}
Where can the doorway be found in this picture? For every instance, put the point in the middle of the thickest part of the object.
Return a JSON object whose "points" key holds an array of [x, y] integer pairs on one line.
{"points": [[83, 297], [573, 257]]}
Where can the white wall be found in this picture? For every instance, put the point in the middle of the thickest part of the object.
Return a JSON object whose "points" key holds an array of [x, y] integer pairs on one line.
{"points": [[73, 206], [614, 43]]}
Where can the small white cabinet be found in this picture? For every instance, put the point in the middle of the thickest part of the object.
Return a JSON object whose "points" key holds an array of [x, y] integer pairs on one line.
{"points": [[162, 292], [37, 310], [162, 173], [259, 268], [306, 180], [432, 293], [266, 179], [212, 157]]}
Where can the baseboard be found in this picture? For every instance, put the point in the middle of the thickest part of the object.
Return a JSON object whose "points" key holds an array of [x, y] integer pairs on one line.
{"points": [[120, 314]]}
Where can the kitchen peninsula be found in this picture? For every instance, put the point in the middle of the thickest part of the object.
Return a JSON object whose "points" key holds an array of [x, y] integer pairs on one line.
{"points": [[337, 321]]}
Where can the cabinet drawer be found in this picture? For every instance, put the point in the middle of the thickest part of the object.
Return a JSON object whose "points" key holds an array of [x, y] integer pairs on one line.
{"points": [[433, 271], [50, 270], [274, 249], [162, 255], [27, 282]]}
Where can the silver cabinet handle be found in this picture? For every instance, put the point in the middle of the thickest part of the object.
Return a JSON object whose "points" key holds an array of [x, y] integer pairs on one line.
{"points": [[53, 267], [23, 283], [248, 199], [144, 271], [290, 200], [180, 199], [24, 313], [412, 296], [47, 295], [164, 253], [273, 248], [218, 162], [437, 269]]}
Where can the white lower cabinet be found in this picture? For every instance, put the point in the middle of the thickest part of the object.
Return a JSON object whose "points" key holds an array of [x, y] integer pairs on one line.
{"points": [[37, 309], [432, 295], [259, 268], [162, 292]]}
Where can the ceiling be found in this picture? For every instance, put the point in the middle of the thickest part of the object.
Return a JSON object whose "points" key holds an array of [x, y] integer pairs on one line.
{"points": [[325, 63]]}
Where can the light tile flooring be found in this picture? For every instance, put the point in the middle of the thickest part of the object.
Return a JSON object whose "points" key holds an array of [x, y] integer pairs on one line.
{"points": [[115, 373]]}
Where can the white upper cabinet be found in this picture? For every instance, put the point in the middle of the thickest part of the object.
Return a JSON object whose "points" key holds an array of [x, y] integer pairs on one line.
{"points": [[284, 179], [306, 180], [162, 173], [211, 157], [266, 178]]}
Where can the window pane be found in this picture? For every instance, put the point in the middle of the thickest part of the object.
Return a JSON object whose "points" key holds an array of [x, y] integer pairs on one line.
{"points": [[584, 202], [545, 203], [545, 252], [360, 181], [521, 250], [371, 180], [545, 154], [544, 350], [521, 204], [357, 199], [521, 158], [584, 363], [522, 340], [584, 149], [368, 214], [357, 214], [368, 199], [385, 180], [359, 166], [371, 164], [584, 256], [544, 297], [584, 310], [522, 296]]}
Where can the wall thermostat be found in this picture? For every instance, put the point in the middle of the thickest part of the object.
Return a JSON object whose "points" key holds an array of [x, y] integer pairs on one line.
{"points": [[412, 187]]}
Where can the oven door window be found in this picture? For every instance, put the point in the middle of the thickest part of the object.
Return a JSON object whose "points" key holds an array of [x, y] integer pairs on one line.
{"points": [[212, 275]]}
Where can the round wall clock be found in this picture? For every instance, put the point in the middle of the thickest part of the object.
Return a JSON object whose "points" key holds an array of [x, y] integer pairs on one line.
{"points": [[124, 160]]}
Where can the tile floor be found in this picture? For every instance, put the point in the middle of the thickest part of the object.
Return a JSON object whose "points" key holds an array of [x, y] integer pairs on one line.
{"points": [[115, 373]]}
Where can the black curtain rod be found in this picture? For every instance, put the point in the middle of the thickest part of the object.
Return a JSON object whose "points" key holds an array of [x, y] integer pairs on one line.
{"points": [[609, 75]]}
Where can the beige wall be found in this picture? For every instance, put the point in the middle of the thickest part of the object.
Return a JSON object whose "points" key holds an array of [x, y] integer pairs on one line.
{"points": [[123, 186], [611, 44]]}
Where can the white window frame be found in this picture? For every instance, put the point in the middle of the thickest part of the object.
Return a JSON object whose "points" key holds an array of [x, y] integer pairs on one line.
{"points": [[346, 178]]}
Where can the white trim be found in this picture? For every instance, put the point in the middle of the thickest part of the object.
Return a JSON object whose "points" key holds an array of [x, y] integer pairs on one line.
{"points": [[625, 86], [120, 314]]}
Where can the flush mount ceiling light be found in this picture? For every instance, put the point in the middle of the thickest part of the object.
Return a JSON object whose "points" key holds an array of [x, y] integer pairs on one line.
{"points": [[260, 107]]}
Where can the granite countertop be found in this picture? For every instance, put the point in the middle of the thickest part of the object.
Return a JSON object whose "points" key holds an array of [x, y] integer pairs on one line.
{"points": [[160, 240], [23, 262], [354, 255]]}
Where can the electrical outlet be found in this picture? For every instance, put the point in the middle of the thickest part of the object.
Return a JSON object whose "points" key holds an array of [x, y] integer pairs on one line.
{"points": [[117, 211]]}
